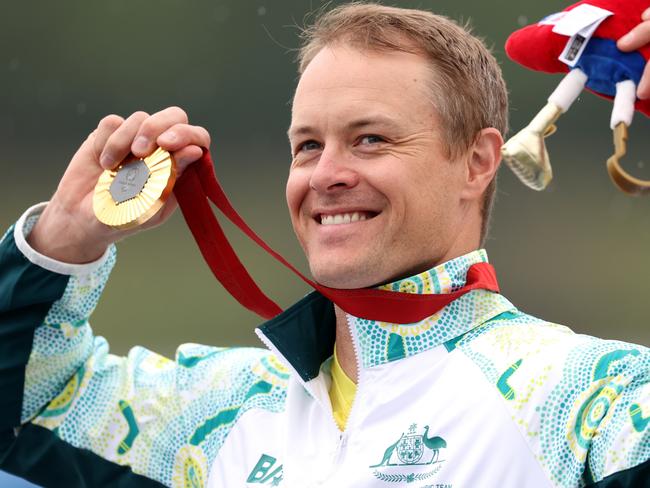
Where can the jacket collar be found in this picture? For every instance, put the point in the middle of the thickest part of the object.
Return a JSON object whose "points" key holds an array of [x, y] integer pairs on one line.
{"points": [[304, 334]]}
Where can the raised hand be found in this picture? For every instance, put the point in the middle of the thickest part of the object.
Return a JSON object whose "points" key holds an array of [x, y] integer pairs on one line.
{"points": [[68, 229]]}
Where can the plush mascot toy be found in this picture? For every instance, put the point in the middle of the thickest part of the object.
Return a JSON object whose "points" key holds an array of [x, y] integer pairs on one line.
{"points": [[580, 41]]}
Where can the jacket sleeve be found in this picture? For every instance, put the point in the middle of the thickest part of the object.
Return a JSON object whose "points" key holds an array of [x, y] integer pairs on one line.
{"points": [[73, 415], [617, 412], [44, 310]]}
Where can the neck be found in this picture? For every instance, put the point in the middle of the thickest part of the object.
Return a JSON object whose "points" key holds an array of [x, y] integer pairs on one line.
{"points": [[344, 347]]}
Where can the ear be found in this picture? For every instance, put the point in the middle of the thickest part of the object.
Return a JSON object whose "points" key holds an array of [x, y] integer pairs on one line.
{"points": [[483, 159]]}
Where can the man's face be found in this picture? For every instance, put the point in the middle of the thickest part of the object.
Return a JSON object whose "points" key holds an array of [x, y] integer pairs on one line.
{"points": [[371, 191]]}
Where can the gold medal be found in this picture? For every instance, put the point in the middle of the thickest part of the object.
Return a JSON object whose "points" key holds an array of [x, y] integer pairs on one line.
{"points": [[132, 193]]}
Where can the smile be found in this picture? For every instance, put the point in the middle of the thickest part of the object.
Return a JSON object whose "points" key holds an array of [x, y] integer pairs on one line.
{"points": [[344, 218]]}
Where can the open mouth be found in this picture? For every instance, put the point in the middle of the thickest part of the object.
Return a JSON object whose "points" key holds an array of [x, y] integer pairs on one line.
{"points": [[345, 218]]}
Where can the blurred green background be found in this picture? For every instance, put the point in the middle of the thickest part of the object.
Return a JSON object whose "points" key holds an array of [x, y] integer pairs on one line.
{"points": [[576, 254]]}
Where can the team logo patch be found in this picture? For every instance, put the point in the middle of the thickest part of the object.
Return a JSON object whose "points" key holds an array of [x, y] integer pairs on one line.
{"points": [[413, 457]]}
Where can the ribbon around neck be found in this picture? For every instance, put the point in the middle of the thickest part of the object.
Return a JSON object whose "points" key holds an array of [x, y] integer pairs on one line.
{"points": [[198, 186]]}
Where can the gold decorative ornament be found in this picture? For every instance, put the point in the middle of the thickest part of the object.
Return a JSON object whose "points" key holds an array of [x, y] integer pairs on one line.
{"points": [[622, 179], [526, 152], [133, 192]]}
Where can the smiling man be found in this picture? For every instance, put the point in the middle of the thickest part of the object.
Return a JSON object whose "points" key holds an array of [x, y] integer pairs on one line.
{"points": [[395, 138]]}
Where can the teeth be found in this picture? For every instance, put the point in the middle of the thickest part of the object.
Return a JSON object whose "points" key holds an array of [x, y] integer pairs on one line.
{"points": [[345, 218]]}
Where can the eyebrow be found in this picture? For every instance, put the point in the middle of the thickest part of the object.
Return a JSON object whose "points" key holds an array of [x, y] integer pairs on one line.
{"points": [[355, 124]]}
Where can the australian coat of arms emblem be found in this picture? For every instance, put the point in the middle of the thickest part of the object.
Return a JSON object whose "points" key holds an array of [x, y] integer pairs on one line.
{"points": [[411, 450]]}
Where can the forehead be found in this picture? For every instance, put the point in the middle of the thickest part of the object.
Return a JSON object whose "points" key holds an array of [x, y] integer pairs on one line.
{"points": [[341, 82]]}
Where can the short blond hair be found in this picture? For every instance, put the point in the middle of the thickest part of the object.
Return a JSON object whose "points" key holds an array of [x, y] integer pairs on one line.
{"points": [[461, 64]]}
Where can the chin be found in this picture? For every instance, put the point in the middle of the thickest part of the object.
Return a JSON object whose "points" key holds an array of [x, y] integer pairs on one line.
{"points": [[344, 276]]}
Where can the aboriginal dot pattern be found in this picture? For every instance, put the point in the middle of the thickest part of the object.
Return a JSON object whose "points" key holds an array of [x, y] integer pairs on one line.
{"points": [[142, 410], [570, 395], [470, 310]]}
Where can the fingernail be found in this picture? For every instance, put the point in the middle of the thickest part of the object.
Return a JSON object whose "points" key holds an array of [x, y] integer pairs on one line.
{"points": [[141, 144], [106, 161]]}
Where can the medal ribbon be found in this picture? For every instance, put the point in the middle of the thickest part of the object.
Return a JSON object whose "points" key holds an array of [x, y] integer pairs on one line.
{"points": [[199, 185]]}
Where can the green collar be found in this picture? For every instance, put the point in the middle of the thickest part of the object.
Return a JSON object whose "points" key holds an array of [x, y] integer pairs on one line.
{"points": [[303, 334]]}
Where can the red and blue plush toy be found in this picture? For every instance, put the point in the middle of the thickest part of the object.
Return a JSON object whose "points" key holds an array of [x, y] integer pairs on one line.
{"points": [[580, 41]]}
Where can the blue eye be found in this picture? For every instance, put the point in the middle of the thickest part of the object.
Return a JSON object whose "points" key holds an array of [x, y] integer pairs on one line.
{"points": [[371, 139], [310, 145]]}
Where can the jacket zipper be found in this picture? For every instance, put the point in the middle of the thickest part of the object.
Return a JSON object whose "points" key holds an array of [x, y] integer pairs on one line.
{"points": [[341, 447], [343, 438]]}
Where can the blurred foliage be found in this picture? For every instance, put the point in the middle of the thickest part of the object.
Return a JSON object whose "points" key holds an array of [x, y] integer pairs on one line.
{"points": [[575, 254]]}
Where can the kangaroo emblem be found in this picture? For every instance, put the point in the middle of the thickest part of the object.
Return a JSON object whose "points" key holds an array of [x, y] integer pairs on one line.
{"points": [[388, 453]]}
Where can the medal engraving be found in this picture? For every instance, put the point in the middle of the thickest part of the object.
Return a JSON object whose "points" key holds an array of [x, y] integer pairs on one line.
{"points": [[134, 192], [129, 181]]}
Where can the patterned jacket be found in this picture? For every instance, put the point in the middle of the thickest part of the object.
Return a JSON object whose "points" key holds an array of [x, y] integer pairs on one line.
{"points": [[479, 394]]}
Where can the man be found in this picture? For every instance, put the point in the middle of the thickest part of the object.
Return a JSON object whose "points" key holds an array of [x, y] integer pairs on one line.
{"points": [[395, 136]]}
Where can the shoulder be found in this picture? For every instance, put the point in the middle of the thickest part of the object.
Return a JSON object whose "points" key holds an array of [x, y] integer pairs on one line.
{"points": [[199, 398], [235, 372], [516, 337], [204, 392], [570, 394]]}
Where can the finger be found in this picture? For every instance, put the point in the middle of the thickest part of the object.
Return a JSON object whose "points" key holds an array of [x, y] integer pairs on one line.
{"points": [[181, 135], [646, 14], [119, 143], [185, 157], [104, 130], [643, 92], [636, 38], [145, 140]]}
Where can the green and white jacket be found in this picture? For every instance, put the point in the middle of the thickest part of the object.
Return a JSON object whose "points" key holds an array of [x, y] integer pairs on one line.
{"points": [[477, 395]]}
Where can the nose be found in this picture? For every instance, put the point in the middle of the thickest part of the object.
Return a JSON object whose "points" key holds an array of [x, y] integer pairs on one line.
{"points": [[334, 172]]}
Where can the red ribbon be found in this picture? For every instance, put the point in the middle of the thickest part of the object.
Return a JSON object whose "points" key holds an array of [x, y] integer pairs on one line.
{"points": [[199, 185]]}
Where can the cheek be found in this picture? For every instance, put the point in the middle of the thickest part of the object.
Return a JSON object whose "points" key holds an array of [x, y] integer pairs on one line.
{"points": [[425, 202], [296, 190]]}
